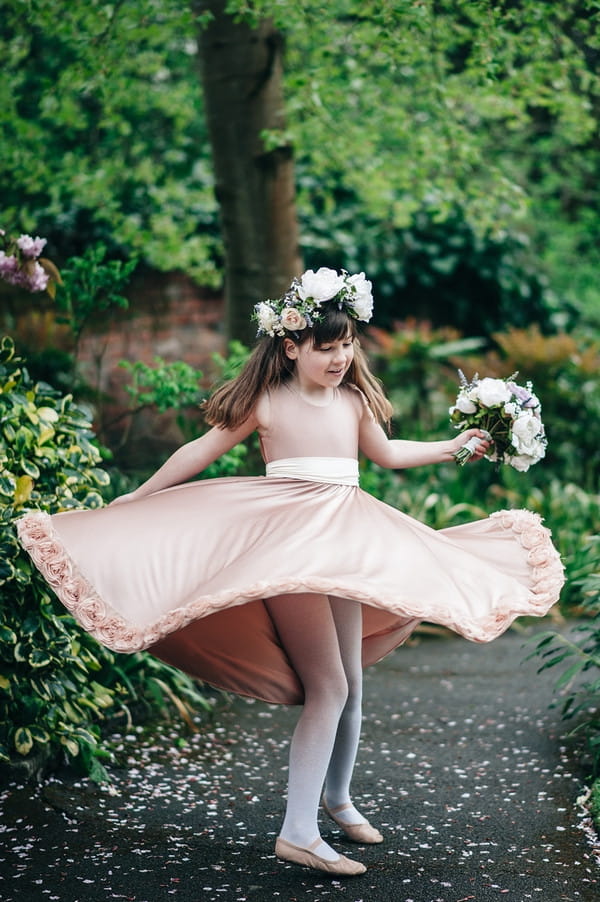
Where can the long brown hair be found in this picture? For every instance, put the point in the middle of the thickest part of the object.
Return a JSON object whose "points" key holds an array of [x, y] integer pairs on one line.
{"points": [[268, 366]]}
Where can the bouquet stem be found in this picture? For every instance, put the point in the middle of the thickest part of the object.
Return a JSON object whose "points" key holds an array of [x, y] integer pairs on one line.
{"points": [[464, 454]]}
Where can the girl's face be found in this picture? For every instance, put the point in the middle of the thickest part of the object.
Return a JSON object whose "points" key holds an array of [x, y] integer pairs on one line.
{"points": [[320, 366]]}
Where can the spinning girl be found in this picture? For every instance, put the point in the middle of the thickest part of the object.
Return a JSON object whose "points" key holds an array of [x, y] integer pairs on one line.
{"points": [[282, 587]]}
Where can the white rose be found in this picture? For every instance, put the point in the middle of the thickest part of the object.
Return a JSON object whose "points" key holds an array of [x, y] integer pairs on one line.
{"points": [[511, 409], [465, 405], [361, 296], [492, 392], [322, 285], [266, 317], [525, 430], [521, 462], [292, 319]]}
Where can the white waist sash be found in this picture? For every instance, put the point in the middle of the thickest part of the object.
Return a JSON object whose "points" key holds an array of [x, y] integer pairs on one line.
{"points": [[337, 470]]}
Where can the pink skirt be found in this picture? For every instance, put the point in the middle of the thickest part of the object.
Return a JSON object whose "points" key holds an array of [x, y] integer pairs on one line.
{"points": [[183, 572]]}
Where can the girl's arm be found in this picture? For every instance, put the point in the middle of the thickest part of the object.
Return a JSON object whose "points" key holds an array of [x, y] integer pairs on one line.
{"points": [[401, 454], [191, 459]]}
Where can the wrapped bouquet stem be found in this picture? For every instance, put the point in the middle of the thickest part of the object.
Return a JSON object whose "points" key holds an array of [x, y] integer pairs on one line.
{"points": [[468, 449], [509, 414]]}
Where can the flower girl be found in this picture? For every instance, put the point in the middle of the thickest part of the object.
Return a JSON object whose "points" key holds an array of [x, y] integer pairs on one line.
{"points": [[284, 586]]}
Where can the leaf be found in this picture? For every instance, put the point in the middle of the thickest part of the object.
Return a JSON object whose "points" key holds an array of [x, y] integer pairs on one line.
{"points": [[30, 468], [7, 483], [39, 658], [23, 741], [39, 734], [51, 270], [19, 652], [71, 746], [182, 708], [23, 490], [569, 673], [7, 349], [4, 682], [7, 635]]}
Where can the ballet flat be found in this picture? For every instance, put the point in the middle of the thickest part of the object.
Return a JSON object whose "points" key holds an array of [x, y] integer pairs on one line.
{"points": [[361, 833], [340, 866]]}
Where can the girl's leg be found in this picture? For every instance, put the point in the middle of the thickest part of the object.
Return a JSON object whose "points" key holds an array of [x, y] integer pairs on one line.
{"points": [[307, 630], [347, 616]]}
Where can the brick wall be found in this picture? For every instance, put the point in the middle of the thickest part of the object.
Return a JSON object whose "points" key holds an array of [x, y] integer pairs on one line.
{"points": [[168, 317]]}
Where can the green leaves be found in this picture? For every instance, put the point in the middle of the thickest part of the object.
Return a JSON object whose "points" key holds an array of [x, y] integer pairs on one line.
{"points": [[56, 682], [164, 385], [49, 460], [23, 740], [103, 137]]}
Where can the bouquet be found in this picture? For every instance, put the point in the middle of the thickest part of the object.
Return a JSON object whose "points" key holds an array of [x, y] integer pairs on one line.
{"points": [[509, 413]]}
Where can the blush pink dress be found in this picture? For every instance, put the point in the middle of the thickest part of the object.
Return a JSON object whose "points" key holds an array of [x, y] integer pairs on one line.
{"points": [[183, 572]]}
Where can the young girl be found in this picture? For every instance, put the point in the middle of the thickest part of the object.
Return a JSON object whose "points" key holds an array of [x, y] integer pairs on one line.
{"points": [[283, 587]]}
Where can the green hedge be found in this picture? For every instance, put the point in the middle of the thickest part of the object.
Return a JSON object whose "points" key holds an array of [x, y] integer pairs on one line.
{"points": [[57, 684]]}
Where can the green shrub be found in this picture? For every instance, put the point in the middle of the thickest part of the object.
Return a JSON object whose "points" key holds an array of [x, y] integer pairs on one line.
{"points": [[176, 386], [577, 656], [56, 683], [49, 696]]}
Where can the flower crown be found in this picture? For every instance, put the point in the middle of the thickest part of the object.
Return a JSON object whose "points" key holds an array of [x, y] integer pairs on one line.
{"points": [[300, 305]]}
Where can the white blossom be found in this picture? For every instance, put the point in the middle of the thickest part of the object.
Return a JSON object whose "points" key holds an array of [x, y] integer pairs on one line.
{"points": [[493, 392], [361, 298], [322, 285]]}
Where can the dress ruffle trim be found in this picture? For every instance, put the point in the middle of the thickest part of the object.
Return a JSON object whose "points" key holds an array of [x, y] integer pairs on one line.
{"points": [[547, 571], [39, 538]]}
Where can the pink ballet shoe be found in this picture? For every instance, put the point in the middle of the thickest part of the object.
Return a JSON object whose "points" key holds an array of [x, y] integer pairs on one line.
{"points": [[361, 833], [340, 866]]}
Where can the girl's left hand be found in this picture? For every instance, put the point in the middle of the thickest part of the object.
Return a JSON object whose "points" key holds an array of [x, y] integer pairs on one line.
{"points": [[482, 448]]}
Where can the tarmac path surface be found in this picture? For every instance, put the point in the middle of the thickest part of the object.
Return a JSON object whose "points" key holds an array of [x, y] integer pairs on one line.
{"points": [[462, 767]]}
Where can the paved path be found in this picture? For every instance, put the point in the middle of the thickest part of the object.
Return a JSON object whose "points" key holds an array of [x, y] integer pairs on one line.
{"points": [[461, 765]]}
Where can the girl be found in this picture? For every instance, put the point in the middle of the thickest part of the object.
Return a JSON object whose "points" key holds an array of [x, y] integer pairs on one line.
{"points": [[283, 587]]}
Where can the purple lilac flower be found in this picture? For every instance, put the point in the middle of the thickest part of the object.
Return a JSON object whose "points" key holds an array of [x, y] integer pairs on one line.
{"points": [[9, 267], [31, 247], [37, 279], [523, 394], [34, 278]]}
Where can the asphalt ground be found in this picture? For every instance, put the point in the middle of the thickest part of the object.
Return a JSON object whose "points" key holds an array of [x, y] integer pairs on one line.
{"points": [[463, 766]]}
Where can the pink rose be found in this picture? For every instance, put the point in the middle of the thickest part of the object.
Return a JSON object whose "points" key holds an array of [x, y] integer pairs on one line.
{"points": [[56, 571], [70, 593], [91, 613], [117, 635], [292, 319]]}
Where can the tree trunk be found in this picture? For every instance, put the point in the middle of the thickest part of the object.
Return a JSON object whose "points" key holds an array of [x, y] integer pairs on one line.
{"points": [[241, 72]]}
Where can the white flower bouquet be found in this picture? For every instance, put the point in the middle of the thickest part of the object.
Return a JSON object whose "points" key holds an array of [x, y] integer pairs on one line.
{"points": [[509, 413]]}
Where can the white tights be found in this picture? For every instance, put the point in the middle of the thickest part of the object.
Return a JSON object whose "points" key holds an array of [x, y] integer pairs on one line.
{"points": [[322, 637]]}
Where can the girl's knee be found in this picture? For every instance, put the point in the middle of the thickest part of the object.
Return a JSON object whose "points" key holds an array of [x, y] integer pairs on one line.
{"points": [[355, 691], [330, 693]]}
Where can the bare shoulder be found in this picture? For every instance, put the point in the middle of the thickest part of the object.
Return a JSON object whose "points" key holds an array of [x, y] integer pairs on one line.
{"points": [[358, 399]]}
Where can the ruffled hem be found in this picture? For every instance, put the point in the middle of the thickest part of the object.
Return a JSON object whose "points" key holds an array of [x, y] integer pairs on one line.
{"points": [[547, 570], [97, 617]]}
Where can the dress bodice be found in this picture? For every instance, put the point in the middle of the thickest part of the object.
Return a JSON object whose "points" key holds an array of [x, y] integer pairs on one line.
{"points": [[298, 428]]}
